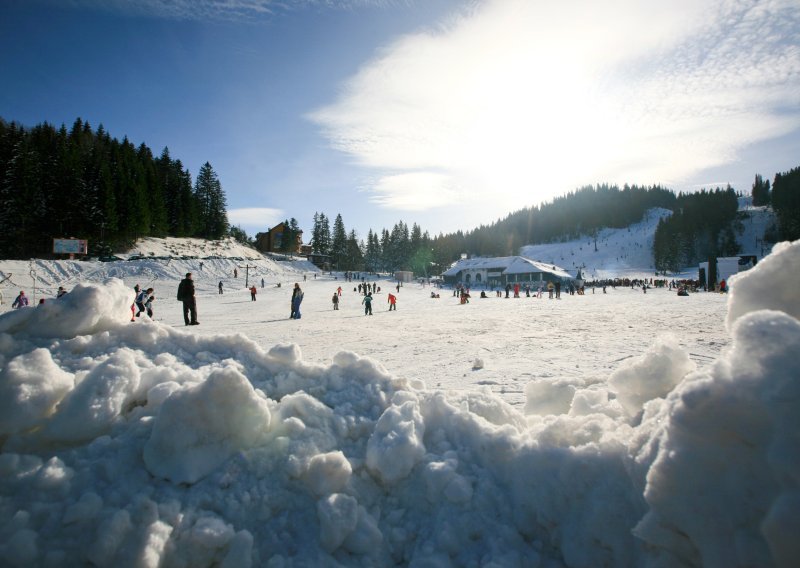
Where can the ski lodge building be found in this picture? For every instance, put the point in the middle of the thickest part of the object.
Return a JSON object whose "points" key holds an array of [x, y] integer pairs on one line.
{"points": [[502, 270]]}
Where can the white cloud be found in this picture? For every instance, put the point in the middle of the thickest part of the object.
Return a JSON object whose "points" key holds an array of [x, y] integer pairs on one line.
{"points": [[263, 217], [526, 100]]}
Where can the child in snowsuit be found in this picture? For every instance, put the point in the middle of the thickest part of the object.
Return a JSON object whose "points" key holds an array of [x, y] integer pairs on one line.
{"points": [[21, 301], [141, 299], [297, 298], [367, 301]]}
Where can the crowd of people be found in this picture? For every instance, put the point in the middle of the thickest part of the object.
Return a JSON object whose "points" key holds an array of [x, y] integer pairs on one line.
{"points": [[144, 298]]}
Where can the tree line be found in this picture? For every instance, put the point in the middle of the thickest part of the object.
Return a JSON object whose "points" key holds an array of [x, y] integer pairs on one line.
{"points": [[399, 249], [700, 227], [784, 196], [585, 211], [702, 224], [60, 183]]}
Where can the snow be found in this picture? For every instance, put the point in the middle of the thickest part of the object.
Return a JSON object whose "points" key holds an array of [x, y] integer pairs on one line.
{"points": [[628, 252], [606, 429]]}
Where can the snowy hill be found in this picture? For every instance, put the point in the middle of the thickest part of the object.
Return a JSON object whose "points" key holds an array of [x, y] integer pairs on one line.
{"points": [[151, 261], [616, 253], [628, 252]]}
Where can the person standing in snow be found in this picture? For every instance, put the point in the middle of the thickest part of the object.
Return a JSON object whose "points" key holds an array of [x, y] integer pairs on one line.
{"points": [[335, 301], [367, 301], [558, 289], [297, 298], [21, 301], [392, 299], [186, 295], [550, 289], [60, 292], [141, 299], [148, 305], [136, 290], [253, 291], [220, 286], [262, 282]]}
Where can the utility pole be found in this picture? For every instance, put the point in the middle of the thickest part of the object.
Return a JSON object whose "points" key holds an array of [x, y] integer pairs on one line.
{"points": [[247, 268]]}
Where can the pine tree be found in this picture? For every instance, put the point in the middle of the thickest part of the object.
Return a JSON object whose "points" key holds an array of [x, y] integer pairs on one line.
{"points": [[338, 243], [355, 254], [761, 193], [372, 252], [211, 203]]}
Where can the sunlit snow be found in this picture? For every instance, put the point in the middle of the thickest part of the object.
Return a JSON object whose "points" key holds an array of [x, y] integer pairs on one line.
{"points": [[607, 429]]}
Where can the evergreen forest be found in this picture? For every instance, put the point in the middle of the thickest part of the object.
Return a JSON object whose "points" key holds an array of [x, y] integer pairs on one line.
{"points": [[82, 183]]}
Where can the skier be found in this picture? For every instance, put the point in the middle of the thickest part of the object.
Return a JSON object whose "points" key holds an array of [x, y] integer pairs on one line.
{"points": [[392, 302], [21, 301]]}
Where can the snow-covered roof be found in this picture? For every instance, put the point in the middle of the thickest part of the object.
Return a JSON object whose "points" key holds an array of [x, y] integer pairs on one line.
{"points": [[506, 265], [495, 262]]}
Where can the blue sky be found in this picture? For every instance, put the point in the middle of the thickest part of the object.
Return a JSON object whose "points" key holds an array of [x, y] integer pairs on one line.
{"points": [[446, 113]]}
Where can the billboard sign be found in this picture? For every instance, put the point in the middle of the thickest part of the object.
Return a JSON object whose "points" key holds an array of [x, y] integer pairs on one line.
{"points": [[70, 246]]}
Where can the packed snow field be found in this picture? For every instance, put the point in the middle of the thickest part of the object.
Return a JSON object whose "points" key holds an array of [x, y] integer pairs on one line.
{"points": [[607, 429]]}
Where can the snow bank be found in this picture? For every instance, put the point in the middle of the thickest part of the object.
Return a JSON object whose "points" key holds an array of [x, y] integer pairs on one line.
{"points": [[146, 445]]}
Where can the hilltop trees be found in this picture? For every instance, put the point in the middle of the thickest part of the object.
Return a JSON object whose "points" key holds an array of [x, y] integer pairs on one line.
{"points": [[698, 229], [761, 192], [82, 183], [786, 202], [210, 199], [321, 234]]}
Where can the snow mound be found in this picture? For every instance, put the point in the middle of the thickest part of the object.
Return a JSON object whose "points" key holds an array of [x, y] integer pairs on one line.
{"points": [[147, 445]]}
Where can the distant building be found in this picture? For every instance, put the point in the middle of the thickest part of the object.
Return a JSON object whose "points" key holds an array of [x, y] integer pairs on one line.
{"points": [[499, 271], [272, 240], [321, 261], [403, 275], [725, 267]]}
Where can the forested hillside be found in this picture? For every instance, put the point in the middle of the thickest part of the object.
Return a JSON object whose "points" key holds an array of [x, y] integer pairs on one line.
{"points": [[700, 227], [582, 212], [83, 183]]}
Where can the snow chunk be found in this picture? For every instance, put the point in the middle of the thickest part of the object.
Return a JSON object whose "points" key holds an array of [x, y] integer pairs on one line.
{"points": [[338, 516], [729, 433], [768, 285], [653, 375], [30, 386], [97, 401], [395, 447], [328, 473], [89, 308], [200, 427], [550, 397]]}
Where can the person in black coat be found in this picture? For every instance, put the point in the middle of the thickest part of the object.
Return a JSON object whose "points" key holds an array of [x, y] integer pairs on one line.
{"points": [[186, 295]]}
